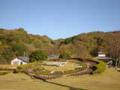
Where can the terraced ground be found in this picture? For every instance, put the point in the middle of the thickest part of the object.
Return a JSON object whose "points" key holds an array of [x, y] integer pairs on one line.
{"points": [[109, 80], [67, 66]]}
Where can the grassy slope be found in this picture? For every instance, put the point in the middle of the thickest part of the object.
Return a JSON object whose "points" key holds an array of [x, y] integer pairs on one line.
{"points": [[109, 80], [23, 82]]}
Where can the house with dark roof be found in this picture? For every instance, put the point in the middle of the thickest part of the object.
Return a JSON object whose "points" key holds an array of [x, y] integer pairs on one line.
{"points": [[102, 56], [20, 60]]}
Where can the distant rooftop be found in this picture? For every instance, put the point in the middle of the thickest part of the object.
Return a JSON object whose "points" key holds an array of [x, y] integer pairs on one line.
{"points": [[102, 56], [53, 56], [24, 59]]}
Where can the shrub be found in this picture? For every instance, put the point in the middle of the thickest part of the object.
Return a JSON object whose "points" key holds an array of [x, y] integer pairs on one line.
{"points": [[4, 72], [84, 66], [57, 73], [33, 68], [100, 67], [18, 69], [38, 55], [40, 71], [65, 55], [70, 71]]}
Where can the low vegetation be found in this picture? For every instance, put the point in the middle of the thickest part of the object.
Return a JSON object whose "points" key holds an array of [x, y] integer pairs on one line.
{"points": [[33, 68], [99, 68], [38, 68], [4, 72]]}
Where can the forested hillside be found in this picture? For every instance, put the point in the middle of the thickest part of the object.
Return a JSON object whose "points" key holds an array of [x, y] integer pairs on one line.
{"points": [[87, 45], [18, 42]]}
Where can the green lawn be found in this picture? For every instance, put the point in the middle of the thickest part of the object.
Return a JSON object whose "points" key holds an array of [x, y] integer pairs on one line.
{"points": [[109, 80]]}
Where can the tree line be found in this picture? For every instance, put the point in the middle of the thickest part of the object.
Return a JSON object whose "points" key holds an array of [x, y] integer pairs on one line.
{"points": [[18, 42]]}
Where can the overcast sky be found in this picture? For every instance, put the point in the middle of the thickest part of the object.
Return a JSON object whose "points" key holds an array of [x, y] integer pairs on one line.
{"points": [[60, 18]]}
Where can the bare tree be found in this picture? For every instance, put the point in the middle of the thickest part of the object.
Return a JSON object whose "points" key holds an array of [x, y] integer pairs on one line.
{"points": [[114, 47]]}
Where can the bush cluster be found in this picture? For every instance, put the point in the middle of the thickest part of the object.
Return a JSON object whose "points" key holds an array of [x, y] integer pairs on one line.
{"points": [[99, 68]]}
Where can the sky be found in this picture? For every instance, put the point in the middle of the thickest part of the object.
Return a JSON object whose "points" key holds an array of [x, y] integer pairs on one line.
{"points": [[60, 18]]}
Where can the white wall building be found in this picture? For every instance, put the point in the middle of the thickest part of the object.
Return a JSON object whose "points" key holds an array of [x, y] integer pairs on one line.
{"points": [[20, 61]]}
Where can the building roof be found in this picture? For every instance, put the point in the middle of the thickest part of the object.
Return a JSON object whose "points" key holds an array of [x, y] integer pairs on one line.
{"points": [[24, 59], [53, 56], [103, 58]]}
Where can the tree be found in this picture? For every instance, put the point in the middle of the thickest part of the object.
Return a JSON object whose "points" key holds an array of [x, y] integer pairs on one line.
{"points": [[19, 49], [65, 55], [6, 54], [81, 52], [114, 48], [38, 56]]}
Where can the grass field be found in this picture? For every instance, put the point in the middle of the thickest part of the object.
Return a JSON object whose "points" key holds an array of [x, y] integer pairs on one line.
{"points": [[24, 82], [109, 80]]}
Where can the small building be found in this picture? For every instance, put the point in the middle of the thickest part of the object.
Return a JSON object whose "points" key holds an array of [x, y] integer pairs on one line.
{"points": [[20, 60], [102, 56]]}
